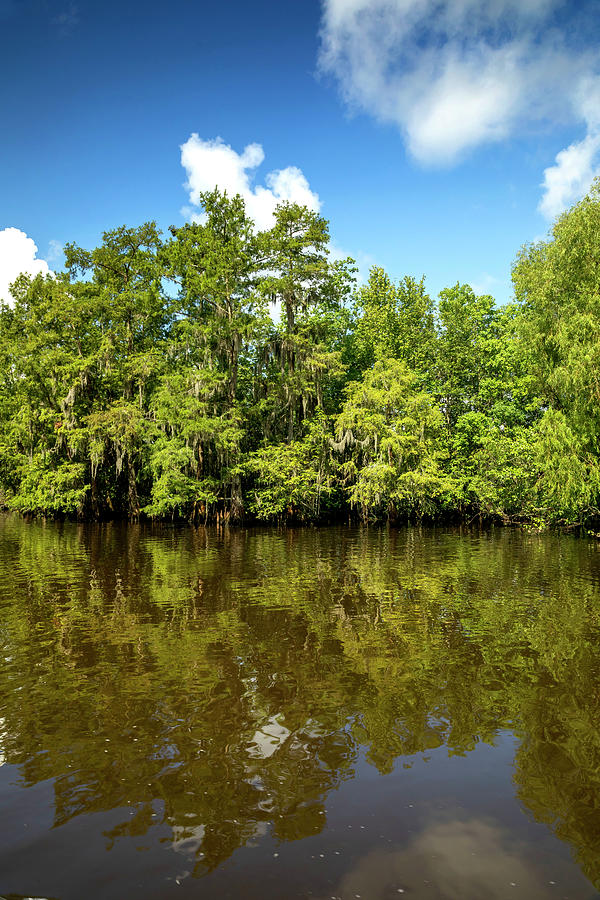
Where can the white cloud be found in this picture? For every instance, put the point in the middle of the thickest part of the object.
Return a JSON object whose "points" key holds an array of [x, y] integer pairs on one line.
{"points": [[576, 166], [55, 251], [571, 176], [213, 163], [499, 288], [455, 74], [18, 253], [364, 261]]}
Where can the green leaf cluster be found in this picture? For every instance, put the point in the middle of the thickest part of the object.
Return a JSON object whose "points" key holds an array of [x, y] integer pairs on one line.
{"points": [[221, 372]]}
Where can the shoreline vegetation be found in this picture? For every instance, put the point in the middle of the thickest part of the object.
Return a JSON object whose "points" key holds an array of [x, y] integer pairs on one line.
{"points": [[220, 374]]}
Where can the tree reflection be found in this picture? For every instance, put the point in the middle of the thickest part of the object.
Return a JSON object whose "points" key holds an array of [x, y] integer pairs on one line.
{"points": [[224, 684]]}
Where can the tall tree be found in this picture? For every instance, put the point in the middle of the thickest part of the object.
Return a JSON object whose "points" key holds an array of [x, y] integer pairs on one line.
{"points": [[198, 403], [557, 282], [394, 321], [309, 292], [390, 434]]}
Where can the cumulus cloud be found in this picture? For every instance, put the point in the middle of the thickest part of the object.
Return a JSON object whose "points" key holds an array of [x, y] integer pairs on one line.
{"points": [[18, 253], [576, 166], [213, 163], [455, 74], [571, 176]]}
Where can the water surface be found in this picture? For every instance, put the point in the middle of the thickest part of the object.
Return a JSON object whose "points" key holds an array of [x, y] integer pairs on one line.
{"points": [[326, 713]]}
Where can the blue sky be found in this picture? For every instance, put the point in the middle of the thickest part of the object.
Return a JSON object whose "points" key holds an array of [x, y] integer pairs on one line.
{"points": [[436, 137]]}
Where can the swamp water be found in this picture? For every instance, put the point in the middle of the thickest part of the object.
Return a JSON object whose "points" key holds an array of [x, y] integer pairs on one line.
{"points": [[334, 713]]}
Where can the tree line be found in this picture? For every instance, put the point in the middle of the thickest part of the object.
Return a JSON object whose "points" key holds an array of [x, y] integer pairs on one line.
{"points": [[221, 374]]}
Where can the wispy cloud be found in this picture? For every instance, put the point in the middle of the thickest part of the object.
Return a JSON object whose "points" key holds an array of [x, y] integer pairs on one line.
{"points": [[18, 253], [364, 262], [576, 166], [55, 251], [456, 74], [66, 20], [213, 163], [484, 283]]}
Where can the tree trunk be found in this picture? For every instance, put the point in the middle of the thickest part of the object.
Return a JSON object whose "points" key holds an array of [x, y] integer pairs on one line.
{"points": [[134, 504]]}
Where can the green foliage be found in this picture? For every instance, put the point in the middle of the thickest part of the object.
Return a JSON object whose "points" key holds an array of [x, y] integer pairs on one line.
{"points": [[569, 482], [557, 282], [50, 488], [226, 372], [390, 432], [393, 321], [293, 480], [465, 349], [501, 478]]}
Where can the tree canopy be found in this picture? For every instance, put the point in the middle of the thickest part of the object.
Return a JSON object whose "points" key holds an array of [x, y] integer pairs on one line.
{"points": [[220, 373]]}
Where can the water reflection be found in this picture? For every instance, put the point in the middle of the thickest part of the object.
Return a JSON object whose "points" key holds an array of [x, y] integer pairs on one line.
{"points": [[221, 695], [457, 860]]}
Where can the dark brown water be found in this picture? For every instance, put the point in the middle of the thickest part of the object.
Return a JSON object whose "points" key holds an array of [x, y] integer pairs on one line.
{"points": [[325, 713]]}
